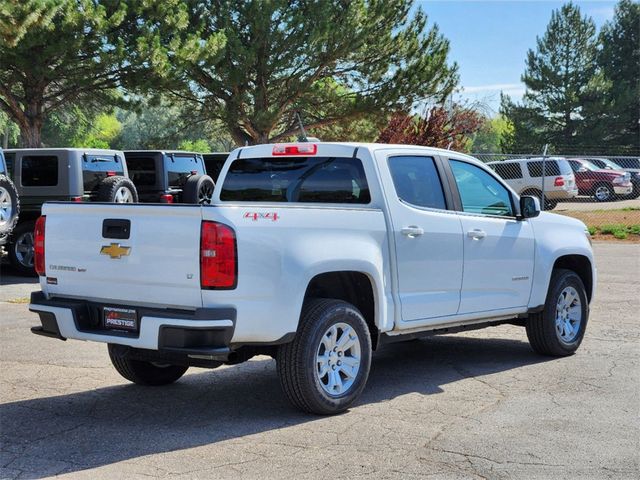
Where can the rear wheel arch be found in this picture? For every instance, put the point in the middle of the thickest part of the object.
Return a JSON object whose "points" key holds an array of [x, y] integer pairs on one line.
{"points": [[581, 265], [354, 287]]}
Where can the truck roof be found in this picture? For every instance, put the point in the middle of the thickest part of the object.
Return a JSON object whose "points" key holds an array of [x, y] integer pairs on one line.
{"points": [[264, 149]]}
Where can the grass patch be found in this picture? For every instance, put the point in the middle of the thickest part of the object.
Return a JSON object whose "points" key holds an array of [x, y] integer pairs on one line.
{"points": [[620, 224], [618, 230]]}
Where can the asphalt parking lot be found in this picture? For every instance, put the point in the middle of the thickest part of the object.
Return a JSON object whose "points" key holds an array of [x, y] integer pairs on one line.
{"points": [[479, 405]]}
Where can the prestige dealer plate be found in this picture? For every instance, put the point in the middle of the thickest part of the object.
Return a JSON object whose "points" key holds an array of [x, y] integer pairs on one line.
{"points": [[120, 318]]}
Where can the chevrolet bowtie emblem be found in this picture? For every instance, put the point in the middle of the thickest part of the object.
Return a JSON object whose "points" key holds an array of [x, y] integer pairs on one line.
{"points": [[115, 250]]}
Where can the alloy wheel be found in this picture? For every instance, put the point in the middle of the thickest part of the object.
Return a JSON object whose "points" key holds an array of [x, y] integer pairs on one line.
{"points": [[338, 359]]}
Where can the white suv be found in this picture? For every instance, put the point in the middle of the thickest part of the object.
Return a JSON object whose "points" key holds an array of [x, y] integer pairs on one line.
{"points": [[524, 175]]}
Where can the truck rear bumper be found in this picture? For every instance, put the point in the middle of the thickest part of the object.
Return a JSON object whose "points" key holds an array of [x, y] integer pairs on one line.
{"points": [[204, 331]]}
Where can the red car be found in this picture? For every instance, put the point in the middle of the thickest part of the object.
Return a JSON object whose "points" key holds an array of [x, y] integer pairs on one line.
{"points": [[604, 185]]}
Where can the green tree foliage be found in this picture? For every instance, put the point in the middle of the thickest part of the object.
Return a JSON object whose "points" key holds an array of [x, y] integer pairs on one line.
{"points": [[77, 126], [492, 135], [63, 59], [17, 16], [160, 124], [561, 78], [619, 59], [8, 131], [251, 64], [201, 146]]}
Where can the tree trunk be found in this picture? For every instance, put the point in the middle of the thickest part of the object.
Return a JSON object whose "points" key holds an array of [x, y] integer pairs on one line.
{"points": [[31, 133], [31, 125]]}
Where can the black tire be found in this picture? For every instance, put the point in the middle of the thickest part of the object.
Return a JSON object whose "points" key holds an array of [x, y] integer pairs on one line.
{"points": [[117, 190], [541, 327], [198, 189], [297, 361], [610, 194], [9, 206], [20, 248], [144, 373]]}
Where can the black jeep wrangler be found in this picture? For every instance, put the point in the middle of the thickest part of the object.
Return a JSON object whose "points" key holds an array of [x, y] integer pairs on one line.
{"points": [[61, 174], [169, 176], [9, 203]]}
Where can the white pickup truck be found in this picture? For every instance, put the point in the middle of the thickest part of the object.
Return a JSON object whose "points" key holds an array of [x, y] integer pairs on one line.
{"points": [[315, 254]]}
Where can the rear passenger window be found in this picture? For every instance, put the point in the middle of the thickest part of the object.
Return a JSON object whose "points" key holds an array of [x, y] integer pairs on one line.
{"points": [[551, 168], [296, 179], [416, 181], [39, 171], [142, 170], [508, 171]]}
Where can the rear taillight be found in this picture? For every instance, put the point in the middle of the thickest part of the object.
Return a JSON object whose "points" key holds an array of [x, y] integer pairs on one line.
{"points": [[559, 182], [166, 198], [76, 199], [38, 246], [111, 174], [218, 262], [300, 149]]}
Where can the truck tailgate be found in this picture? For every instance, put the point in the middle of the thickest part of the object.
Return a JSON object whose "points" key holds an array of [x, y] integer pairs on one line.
{"points": [[157, 264]]}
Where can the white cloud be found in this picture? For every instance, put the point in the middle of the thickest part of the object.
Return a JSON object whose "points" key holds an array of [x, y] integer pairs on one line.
{"points": [[509, 88]]}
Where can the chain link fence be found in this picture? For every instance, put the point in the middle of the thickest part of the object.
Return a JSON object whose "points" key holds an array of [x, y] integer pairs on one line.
{"points": [[601, 190]]}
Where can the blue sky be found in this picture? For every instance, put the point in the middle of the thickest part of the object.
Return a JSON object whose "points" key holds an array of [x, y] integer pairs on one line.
{"points": [[489, 39]]}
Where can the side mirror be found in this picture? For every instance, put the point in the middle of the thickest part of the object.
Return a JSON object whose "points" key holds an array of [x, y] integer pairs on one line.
{"points": [[529, 207], [582, 170]]}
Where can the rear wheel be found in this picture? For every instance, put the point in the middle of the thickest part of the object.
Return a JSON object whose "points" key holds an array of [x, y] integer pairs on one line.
{"points": [[559, 329], [603, 193], [20, 248], [325, 368], [144, 373]]}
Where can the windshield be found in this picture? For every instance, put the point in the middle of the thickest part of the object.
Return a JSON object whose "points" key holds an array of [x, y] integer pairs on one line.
{"points": [[610, 165], [589, 166]]}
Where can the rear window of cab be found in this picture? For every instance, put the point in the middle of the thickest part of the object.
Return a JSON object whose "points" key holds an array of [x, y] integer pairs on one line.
{"points": [[297, 179]]}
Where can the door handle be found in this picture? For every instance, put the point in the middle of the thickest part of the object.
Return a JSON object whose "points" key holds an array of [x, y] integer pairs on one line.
{"points": [[412, 231], [476, 234]]}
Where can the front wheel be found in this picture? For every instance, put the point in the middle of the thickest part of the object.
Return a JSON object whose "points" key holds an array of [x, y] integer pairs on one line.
{"points": [[144, 373], [325, 368], [559, 329]]}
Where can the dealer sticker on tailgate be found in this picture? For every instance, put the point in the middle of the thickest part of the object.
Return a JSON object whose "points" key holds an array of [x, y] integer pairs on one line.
{"points": [[120, 318]]}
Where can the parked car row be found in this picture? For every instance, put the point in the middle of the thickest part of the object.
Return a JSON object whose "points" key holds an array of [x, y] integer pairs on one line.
{"points": [[93, 175], [565, 178]]}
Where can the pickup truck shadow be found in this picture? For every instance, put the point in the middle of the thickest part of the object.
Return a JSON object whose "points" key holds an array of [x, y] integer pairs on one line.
{"points": [[8, 276], [88, 429]]}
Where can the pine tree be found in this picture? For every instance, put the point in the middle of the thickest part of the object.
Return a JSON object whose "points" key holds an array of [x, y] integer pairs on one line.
{"points": [[332, 61], [561, 76], [58, 57], [619, 60]]}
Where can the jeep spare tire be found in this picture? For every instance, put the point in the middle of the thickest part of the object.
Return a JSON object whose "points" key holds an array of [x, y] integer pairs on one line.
{"points": [[117, 190], [198, 189], [9, 205]]}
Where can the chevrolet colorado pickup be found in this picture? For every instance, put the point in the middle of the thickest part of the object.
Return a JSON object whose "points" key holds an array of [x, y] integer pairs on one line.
{"points": [[315, 254]]}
